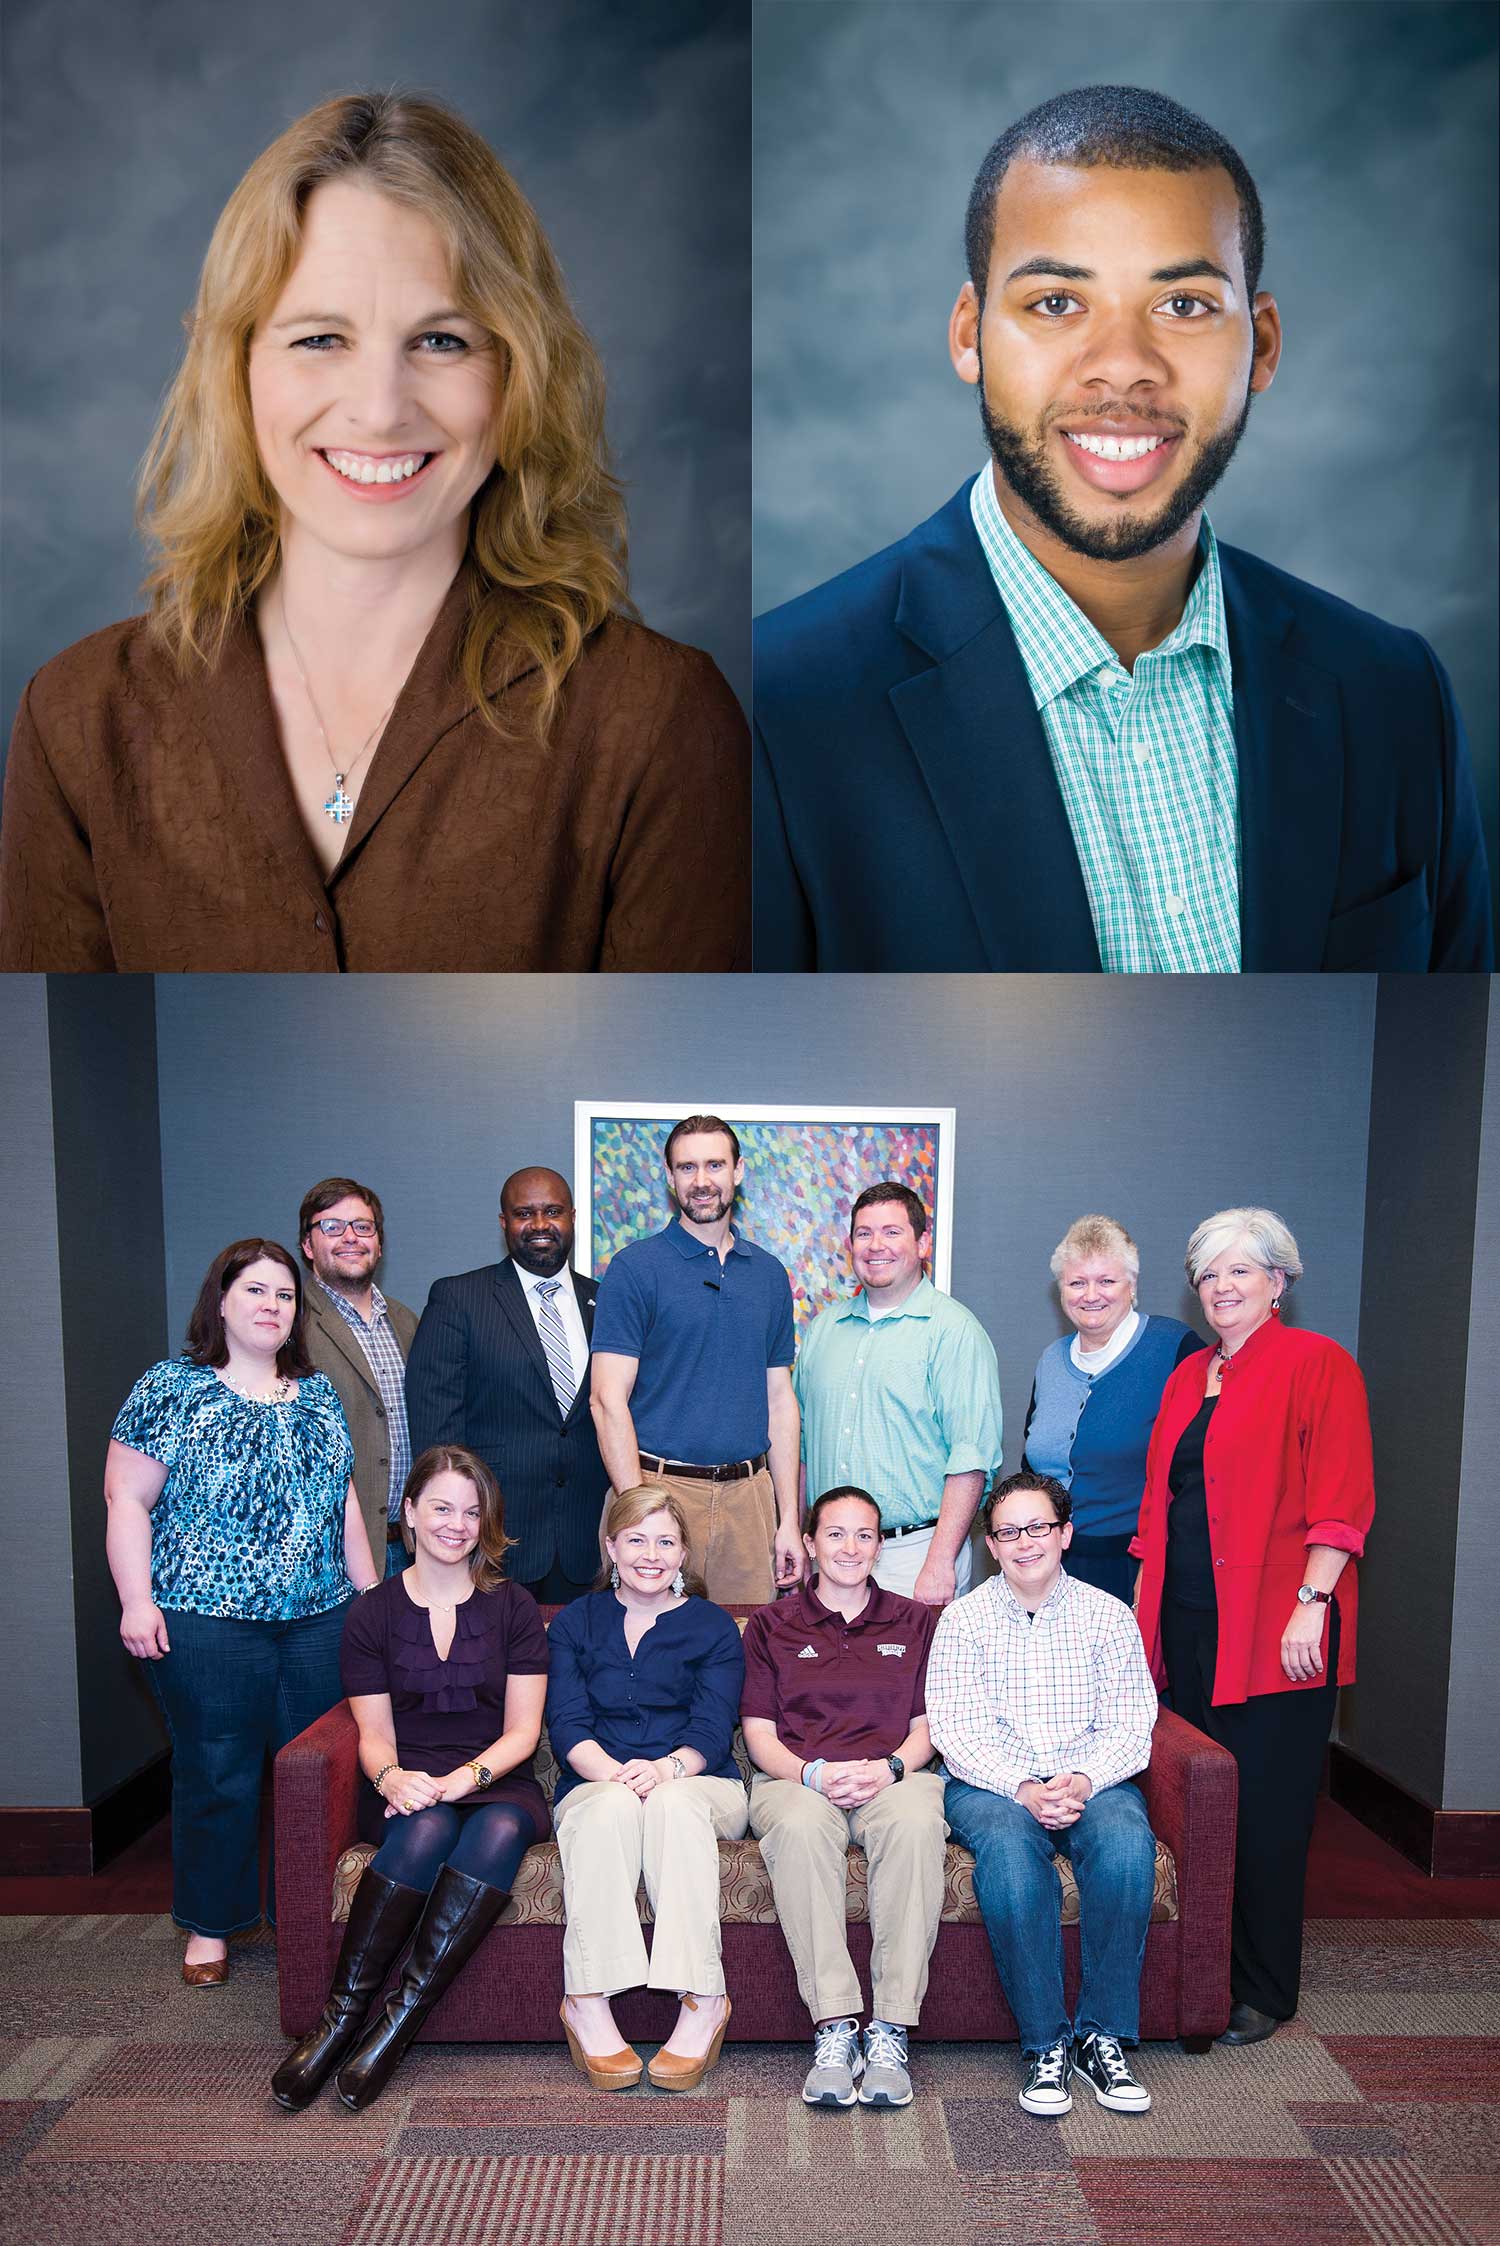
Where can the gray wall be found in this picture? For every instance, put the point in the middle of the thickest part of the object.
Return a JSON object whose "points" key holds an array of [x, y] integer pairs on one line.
{"points": [[1471, 1771], [126, 123], [1420, 1269], [1370, 134], [1158, 1102]]}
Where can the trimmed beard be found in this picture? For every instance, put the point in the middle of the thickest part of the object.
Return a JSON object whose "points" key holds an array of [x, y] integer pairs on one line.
{"points": [[1029, 474]]}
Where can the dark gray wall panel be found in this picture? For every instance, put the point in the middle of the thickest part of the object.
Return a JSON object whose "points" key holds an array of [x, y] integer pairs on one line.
{"points": [[1471, 1773], [125, 127], [1370, 134]]}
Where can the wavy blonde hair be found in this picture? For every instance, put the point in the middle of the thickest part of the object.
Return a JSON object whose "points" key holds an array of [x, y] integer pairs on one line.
{"points": [[547, 549]]}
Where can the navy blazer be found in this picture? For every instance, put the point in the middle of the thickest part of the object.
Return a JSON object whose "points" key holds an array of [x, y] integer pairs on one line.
{"points": [[907, 817], [477, 1375]]}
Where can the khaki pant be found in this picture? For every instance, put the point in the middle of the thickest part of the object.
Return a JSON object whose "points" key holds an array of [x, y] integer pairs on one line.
{"points": [[902, 1558], [609, 1839], [731, 1533], [804, 1839]]}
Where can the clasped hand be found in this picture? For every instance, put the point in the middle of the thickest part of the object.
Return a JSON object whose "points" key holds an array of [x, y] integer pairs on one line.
{"points": [[642, 1776], [1056, 1802], [408, 1790], [849, 1785]]}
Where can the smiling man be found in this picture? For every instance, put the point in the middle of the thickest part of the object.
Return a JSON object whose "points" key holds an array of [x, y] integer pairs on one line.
{"points": [[1094, 736]]}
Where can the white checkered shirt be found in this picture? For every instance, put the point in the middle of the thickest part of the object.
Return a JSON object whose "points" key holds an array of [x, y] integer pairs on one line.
{"points": [[1012, 1697], [384, 1358], [1145, 759]]}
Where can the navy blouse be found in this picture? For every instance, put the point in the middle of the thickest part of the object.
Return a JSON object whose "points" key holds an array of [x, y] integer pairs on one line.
{"points": [[250, 1520], [682, 1689]]}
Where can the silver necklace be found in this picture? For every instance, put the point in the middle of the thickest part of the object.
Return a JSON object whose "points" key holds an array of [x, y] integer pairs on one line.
{"points": [[340, 805], [281, 1389]]}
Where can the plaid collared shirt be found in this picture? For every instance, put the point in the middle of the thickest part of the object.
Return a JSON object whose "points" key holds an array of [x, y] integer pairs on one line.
{"points": [[1145, 759], [384, 1358], [1012, 1697]]}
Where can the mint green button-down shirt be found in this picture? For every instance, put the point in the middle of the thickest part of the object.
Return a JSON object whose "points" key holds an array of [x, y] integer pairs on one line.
{"points": [[1145, 759], [896, 1404]]}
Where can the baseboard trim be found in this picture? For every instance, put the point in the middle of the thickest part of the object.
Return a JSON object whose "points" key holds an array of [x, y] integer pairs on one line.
{"points": [[1444, 1843], [64, 1843]]}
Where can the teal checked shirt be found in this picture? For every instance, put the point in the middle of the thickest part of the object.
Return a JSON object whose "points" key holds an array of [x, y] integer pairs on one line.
{"points": [[1145, 760]]}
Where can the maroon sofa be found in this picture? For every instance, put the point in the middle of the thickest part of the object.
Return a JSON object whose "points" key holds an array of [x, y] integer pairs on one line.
{"points": [[511, 1989]]}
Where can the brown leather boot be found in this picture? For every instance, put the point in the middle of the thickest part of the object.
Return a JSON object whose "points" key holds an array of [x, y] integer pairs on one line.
{"points": [[381, 1918]]}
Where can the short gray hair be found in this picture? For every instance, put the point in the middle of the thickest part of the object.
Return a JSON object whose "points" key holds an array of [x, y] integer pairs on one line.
{"points": [[1096, 1236], [1271, 1242]]}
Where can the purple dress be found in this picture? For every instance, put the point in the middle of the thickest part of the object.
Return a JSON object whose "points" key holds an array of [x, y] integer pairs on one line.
{"points": [[446, 1712]]}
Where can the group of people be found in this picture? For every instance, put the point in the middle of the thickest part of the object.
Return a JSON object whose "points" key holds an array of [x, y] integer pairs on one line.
{"points": [[657, 1423]]}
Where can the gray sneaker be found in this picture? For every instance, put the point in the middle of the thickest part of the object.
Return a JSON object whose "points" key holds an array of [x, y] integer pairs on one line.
{"points": [[836, 2063], [885, 2081]]}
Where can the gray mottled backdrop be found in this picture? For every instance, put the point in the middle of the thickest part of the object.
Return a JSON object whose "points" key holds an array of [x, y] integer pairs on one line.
{"points": [[126, 123], [1369, 129]]}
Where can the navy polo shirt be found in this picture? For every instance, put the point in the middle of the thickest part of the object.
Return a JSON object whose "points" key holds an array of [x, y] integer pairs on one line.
{"points": [[704, 1335]]}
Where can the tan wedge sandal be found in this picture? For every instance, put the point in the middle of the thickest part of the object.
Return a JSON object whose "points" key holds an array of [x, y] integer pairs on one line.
{"points": [[670, 2072], [613, 2070]]}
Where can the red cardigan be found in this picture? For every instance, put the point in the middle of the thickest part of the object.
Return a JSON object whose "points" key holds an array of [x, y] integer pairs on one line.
{"points": [[1288, 1464]]}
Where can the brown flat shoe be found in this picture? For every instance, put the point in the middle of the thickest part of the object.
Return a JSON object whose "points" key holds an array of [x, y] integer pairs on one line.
{"points": [[611, 2070], [670, 2072], [212, 1974]]}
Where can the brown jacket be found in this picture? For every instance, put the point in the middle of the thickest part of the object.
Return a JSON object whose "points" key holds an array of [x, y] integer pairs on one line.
{"points": [[150, 825], [336, 1351]]}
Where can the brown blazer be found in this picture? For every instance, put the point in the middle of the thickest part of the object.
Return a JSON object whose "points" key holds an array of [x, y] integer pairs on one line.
{"points": [[149, 822], [336, 1351]]}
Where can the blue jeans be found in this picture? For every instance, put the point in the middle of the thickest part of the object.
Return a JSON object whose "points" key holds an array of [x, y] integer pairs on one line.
{"points": [[233, 1692], [396, 1558], [1113, 1855]]}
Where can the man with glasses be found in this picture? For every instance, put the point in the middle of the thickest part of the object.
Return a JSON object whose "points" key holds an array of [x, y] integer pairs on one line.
{"points": [[1041, 1704], [500, 1365], [360, 1338]]}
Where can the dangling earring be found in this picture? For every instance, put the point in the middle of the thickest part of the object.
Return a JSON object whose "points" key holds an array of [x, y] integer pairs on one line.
{"points": [[1276, 1307], [679, 1583], [614, 1577]]}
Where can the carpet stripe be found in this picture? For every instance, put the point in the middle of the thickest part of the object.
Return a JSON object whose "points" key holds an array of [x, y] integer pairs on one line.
{"points": [[53, 2066], [1395, 2203], [593, 2200]]}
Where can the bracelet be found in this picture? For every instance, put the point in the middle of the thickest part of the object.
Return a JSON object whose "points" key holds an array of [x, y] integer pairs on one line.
{"points": [[812, 1773], [363, 1590], [378, 1781]]}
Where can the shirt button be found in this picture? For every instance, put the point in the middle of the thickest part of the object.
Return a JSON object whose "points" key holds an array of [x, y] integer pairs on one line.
{"points": [[1143, 752], [320, 924], [1174, 904]]}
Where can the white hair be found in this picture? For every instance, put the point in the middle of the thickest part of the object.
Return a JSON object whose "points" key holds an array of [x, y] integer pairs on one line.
{"points": [[1271, 1242], [1096, 1236]]}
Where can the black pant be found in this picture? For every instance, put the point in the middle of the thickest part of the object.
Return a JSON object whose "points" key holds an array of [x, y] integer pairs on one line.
{"points": [[556, 1589], [1277, 1739]]}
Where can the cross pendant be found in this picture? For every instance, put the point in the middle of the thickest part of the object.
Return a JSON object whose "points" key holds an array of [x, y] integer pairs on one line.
{"points": [[340, 807]]}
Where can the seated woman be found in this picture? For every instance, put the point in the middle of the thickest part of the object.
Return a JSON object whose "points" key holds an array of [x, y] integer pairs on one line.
{"points": [[445, 1666], [840, 1741], [390, 708], [236, 1542], [641, 1708]]}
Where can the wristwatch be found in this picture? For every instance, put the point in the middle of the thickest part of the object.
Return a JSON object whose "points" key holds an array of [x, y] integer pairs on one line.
{"points": [[1308, 1597], [482, 1774], [898, 1767]]}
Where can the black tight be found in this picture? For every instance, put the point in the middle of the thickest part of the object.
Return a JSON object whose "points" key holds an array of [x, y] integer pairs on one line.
{"points": [[486, 1842]]}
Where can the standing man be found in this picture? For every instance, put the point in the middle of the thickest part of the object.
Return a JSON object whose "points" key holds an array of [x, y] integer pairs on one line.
{"points": [[500, 1365], [693, 1347], [360, 1338], [900, 1395]]}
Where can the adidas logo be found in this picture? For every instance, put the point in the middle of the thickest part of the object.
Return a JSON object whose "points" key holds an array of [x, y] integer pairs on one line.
{"points": [[808, 1653]]}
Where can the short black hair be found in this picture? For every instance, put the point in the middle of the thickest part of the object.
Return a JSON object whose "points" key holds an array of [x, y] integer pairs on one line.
{"points": [[889, 1190], [1124, 125], [1045, 1485]]}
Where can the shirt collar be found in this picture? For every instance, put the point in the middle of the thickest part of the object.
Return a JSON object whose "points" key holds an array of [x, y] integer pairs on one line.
{"points": [[1010, 1605], [531, 1280], [918, 1304], [876, 1608], [683, 1241], [347, 1310], [1057, 643]]}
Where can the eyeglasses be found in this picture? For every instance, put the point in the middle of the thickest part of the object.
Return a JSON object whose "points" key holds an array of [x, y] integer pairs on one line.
{"points": [[332, 1227], [1008, 1532]]}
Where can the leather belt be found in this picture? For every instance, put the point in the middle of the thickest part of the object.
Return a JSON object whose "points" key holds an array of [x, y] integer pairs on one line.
{"points": [[911, 1528], [740, 1471]]}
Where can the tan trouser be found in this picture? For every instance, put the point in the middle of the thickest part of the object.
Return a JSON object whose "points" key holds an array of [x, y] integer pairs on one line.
{"points": [[609, 1839], [731, 1532], [805, 1839]]}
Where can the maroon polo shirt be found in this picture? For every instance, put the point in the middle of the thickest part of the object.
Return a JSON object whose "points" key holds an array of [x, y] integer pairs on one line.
{"points": [[843, 1689]]}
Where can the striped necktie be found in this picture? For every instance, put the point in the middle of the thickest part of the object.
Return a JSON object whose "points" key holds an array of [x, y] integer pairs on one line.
{"points": [[555, 1343]]}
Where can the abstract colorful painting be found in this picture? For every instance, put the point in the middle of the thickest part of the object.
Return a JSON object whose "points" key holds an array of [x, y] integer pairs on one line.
{"points": [[804, 1168]]}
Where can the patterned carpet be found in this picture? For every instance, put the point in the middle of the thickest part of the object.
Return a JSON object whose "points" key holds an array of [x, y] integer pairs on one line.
{"points": [[132, 2108]]}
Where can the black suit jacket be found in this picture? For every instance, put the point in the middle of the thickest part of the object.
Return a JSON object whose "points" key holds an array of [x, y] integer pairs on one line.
{"points": [[477, 1375], [907, 817]]}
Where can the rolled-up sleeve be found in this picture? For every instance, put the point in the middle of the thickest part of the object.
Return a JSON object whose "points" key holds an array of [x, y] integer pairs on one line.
{"points": [[964, 1389], [1337, 1454]]}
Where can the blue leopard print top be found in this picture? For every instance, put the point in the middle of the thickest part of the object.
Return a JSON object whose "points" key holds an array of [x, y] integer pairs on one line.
{"points": [[250, 1522]]}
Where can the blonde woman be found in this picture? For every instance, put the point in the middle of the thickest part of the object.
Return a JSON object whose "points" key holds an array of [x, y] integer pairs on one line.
{"points": [[641, 1707], [389, 709]]}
